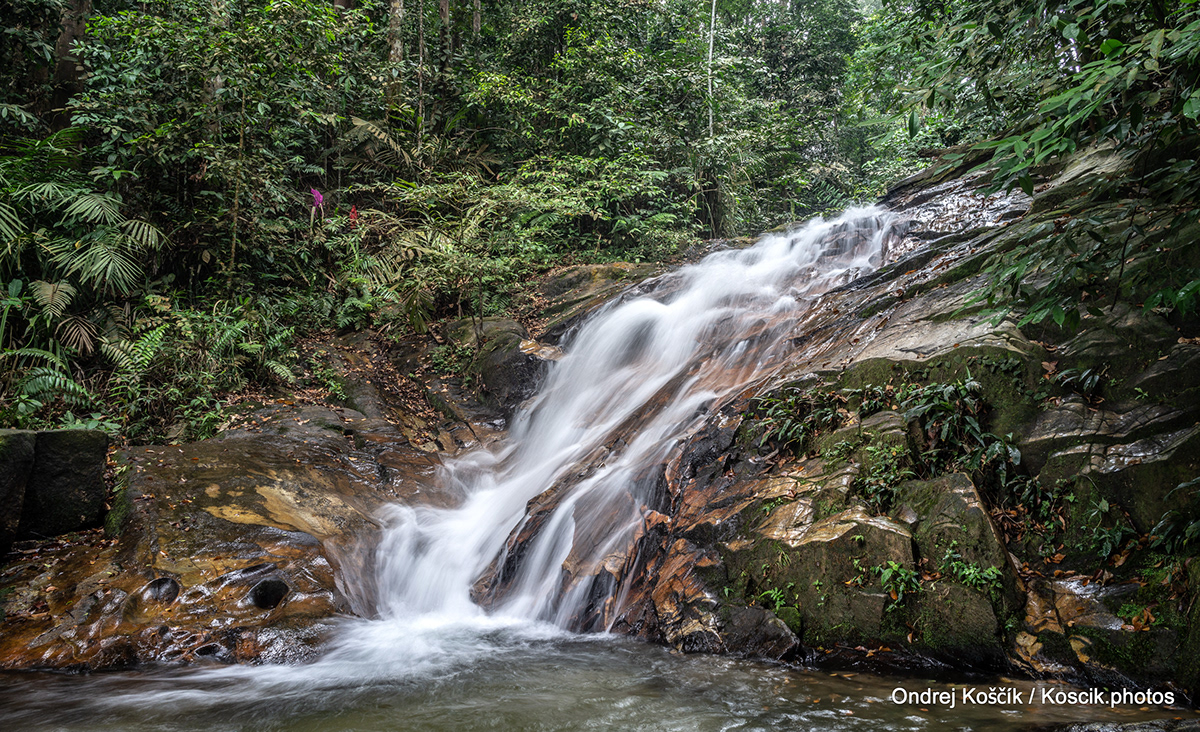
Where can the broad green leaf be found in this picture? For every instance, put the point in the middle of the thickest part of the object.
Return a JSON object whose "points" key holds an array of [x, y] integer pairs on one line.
{"points": [[1191, 108]]}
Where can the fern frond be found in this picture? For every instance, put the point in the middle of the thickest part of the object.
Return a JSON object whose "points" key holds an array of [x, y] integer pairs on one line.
{"points": [[20, 355], [280, 370], [147, 347], [44, 383], [120, 352]]}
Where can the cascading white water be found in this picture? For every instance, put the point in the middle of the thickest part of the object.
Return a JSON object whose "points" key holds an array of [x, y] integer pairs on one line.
{"points": [[635, 378]]}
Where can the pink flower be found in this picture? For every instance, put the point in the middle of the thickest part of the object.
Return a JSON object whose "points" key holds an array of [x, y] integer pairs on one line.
{"points": [[318, 199]]}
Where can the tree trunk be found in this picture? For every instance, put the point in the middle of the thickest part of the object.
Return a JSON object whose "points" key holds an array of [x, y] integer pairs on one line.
{"points": [[712, 27], [444, 34], [395, 32], [66, 66], [476, 19], [420, 67]]}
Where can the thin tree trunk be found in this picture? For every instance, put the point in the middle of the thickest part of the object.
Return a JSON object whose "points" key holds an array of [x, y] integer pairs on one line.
{"points": [[237, 192], [395, 32], [444, 34], [66, 66], [712, 25], [476, 19], [420, 68]]}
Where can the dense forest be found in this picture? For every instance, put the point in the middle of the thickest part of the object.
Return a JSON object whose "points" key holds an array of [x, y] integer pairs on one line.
{"points": [[190, 188]]}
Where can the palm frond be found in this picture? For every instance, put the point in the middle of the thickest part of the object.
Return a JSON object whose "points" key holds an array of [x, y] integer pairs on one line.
{"points": [[145, 234], [95, 208], [11, 225], [52, 297], [78, 333]]}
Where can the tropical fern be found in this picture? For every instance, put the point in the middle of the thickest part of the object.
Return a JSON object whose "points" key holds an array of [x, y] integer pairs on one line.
{"points": [[45, 383]]}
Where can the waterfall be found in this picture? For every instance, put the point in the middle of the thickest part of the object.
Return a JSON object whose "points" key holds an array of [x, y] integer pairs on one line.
{"points": [[636, 376]]}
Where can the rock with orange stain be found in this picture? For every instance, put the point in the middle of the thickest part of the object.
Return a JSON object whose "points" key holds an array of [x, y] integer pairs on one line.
{"points": [[235, 549]]}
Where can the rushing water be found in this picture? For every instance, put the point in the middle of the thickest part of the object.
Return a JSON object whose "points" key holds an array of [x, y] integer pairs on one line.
{"points": [[635, 379]]}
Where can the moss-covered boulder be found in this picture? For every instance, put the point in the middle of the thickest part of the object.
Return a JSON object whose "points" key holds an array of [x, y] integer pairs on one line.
{"points": [[954, 533], [506, 364]]}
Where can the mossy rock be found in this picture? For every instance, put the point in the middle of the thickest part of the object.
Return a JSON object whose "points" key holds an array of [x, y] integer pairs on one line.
{"points": [[825, 575], [959, 625]]}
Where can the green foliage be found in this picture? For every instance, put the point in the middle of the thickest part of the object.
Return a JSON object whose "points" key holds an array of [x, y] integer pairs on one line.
{"points": [[1061, 75], [887, 466], [451, 359], [970, 574], [950, 415], [1109, 528], [326, 376], [792, 415], [897, 582], [1177, 531]]}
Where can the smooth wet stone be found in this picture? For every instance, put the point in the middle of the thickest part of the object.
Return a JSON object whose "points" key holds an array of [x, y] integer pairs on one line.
{"points": [[1139, 476], [1174, 377], [1164, 725], [578, 290], [240, 549], [755, 631], [1073, 421]]}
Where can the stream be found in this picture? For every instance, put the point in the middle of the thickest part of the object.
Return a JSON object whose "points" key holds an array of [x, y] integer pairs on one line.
{"points": [[495, 674], [637, 377]]}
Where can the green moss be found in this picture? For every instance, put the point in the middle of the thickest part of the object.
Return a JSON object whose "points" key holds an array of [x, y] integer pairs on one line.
{"points": [[1134, 655], [1056, 647]]}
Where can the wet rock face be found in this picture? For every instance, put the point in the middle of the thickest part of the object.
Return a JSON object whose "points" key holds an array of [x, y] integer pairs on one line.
{"points": [[576, 291], [235, 549], [735, 539]]}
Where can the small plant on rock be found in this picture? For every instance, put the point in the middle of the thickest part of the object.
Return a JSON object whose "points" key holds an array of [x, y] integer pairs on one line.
{"points": [[897, 582], [970, 574]]}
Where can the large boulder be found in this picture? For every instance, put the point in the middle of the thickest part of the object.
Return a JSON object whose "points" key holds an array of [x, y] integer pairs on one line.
{"points": [[66, 489], [948, 520], [16, 460], [241, 548], [507, 364]]}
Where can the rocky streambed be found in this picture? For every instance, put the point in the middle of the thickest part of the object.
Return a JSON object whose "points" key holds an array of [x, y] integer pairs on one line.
{"points": [[841, 550]]}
